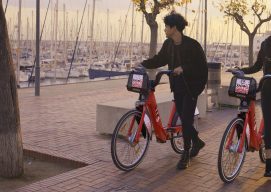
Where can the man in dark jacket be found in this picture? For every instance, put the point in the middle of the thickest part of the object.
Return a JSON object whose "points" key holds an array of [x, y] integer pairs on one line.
{"points": [[185, 57]]}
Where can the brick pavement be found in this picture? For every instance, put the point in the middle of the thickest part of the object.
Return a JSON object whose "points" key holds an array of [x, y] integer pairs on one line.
{"points": [[61, 122]]}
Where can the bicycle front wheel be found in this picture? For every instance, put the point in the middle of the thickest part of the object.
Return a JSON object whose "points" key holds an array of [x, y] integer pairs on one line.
{"points": [[126, 151], [229, 160], [176, 141]]}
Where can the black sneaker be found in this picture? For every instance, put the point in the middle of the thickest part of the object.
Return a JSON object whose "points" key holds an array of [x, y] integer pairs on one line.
{"points": [[267, 174], [196, 147], [184, 161]]}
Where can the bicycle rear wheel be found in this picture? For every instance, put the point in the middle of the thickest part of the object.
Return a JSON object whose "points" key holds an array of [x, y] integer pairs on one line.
{"points": [[229, 160], [125, 151]]}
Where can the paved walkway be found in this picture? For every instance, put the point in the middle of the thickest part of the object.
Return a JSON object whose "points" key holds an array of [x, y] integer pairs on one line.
{"points": [[61, 122]]}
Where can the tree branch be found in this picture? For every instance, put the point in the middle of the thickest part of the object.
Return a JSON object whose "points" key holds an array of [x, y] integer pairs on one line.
{"points": [[156, 2], [239, 20], [260, 23], [143, 7], [156, 8], [256, 13], [167, 3]]}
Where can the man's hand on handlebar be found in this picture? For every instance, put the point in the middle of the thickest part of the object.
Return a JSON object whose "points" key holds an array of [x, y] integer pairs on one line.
{"points": [[236, 72], [178, 70], [139, 67]]}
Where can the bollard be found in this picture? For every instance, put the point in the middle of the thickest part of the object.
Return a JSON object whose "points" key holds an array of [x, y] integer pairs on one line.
{"points": [[214, 81]]}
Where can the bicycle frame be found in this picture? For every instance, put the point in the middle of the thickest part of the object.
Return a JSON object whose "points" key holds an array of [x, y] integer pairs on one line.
{"points": [[150, 105], [254, 136]]}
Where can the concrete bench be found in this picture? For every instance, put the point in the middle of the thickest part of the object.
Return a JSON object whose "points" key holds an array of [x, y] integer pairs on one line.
{"points": [[109, 113], [225, 99]]}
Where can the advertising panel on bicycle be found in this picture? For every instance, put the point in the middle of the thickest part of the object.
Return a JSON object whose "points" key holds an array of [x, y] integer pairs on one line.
{"points": [[137, 81], [242, 86]]}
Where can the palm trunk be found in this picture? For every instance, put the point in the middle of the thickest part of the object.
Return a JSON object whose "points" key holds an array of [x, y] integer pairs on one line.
{"points": [[11, 149]]}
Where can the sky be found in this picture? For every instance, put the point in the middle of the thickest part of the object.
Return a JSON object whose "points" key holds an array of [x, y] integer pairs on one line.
{"points": [[117, 21]]}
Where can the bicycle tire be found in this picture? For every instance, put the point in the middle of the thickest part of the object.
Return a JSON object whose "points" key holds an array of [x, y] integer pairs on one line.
{"points": [[235, 125], [119, 163], [176, 141]]}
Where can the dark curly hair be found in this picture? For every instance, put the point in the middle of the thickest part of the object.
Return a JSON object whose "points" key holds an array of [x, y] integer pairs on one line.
{"points": [[175, 19]]}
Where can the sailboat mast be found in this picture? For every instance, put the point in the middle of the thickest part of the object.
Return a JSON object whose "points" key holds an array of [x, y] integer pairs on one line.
{"points": [[91, 30], [198, 21], [240, 50], [32, 36], [56, 25], [185, 14], [205, 26], [107, 32], [64, 32], [132, 35], [202, 22], [27, 34], [227, 36], [19, 42], [77, 13], [88, 24], [52, 30], [232, 33], [142, 31]]}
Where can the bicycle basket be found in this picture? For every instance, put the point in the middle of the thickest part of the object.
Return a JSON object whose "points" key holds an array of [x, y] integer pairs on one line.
{"points": [[243, 87], [138, 82]]}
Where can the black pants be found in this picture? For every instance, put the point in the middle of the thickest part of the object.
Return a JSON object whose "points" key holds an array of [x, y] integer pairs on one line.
{"points": [[266, 109], [186, 106]]}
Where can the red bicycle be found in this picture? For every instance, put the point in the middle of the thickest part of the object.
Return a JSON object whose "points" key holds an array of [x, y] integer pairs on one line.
{"points": [[133, 132], [241, 134]]}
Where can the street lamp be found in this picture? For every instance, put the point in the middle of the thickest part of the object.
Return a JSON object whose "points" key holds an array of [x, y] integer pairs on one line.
{"points": [[37, 69]]}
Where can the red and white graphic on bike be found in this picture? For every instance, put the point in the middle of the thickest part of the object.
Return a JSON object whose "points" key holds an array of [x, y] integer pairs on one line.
{"points": [[137, 81], [242, 86]]}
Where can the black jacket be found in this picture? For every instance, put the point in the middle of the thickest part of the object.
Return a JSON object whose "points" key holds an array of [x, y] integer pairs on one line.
{"points": [[192, 60], [263, 59]]}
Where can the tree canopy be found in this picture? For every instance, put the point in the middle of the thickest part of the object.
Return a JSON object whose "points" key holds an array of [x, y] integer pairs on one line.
{"points": [[156, 6], [239, 9], [150, 9]]}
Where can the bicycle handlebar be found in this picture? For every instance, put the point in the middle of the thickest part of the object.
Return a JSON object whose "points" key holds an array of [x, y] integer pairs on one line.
{"points": [[159, 76], [236, 72]]}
